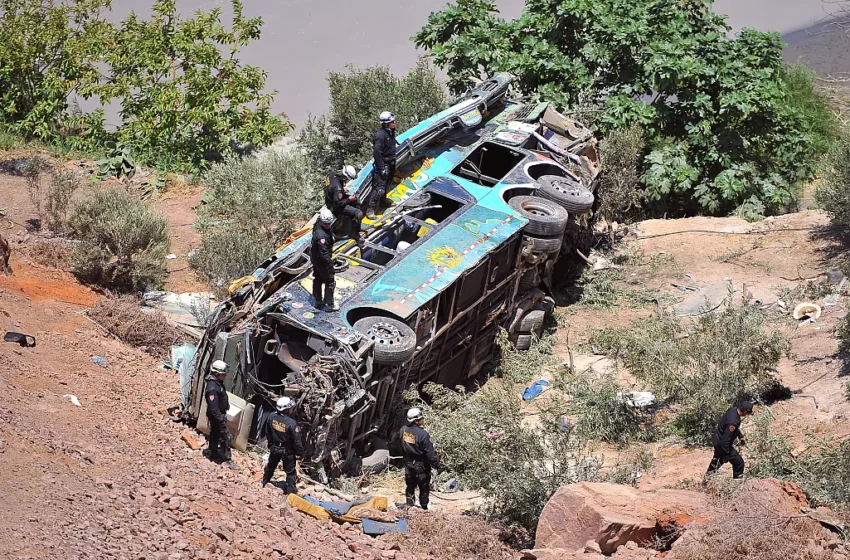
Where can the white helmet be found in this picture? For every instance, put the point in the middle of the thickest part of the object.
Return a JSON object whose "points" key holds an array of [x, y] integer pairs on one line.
{"points": [[349, 171], [326, 216], [283, 403], [386, 117], [219, 367], [414, 414]]}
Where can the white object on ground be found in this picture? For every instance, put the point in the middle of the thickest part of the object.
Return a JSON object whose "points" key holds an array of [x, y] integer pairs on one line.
{"points": [[74, 400], [807, 310], [637, 399]]}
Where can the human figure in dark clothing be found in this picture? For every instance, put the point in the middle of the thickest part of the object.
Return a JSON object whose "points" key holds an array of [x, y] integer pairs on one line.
{"points": [[285, 444], [383, 166], [727, 431], [419, 457], [217, 405], [341, 203], [321, 256]]}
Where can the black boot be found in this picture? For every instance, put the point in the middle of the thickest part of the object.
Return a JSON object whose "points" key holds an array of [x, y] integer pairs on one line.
{"points": [[330, 305]]}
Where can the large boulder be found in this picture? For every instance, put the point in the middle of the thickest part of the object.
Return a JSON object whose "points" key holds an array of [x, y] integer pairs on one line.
{"points": [[612, 515]]}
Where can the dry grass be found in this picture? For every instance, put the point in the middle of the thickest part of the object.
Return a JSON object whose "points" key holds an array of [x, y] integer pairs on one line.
{"points": [[739, 537], [50, 252], [451, 537], [150, 331]]}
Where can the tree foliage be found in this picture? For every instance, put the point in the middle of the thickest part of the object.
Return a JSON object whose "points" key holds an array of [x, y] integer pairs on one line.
{"points": [[833, 194], [184, 96], [725, 130], [48, 51], [357, 97]]}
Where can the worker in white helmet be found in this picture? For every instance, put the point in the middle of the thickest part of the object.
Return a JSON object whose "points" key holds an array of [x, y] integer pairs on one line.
{"points": [[339, 201], [321, 256], [383, 167], [419, 457], [217, 405], [284, 438]]}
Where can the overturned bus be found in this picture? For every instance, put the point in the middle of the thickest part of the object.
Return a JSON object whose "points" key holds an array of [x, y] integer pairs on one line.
{"points": [[486, 197]]}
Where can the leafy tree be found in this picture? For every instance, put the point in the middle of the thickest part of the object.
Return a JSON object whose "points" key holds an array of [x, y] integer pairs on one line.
{"points": [[620, 181], [724, 131], [833, 194], [48, 51], [183, 92], [357, 97]]}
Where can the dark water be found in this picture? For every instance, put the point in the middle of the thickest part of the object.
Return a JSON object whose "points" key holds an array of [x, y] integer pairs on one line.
{"points": [[303, 39]]}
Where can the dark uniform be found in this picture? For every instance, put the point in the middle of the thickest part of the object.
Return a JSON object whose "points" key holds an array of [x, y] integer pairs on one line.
{"points": [[383, 170], [321, 256], [285, 446], [727, 431], [419, 457], [217, 405], [337, 202]]}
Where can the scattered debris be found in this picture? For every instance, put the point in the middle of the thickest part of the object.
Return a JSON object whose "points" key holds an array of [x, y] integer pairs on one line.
{"points": [[376, 528], [535, 390], [25, 340], [451, 486], [807, 310], [638, 399], [171, 256], [74, 400], [189, 437], [100, 360]]}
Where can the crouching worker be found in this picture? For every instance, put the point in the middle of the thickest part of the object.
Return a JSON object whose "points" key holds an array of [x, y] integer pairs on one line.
{"points": [[419, 457], [727, 431], [285, 444], [217, 405], [343, 204]]}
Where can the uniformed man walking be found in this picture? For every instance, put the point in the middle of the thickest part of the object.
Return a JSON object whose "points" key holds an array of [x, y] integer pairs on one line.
{"points": [[727, 431], [419, 457], [321, 256], [285, 444], [217, 405], [341, 203], [383, 155]]}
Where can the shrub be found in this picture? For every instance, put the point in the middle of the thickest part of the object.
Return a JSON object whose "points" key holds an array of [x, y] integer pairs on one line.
{"points": [[52, 199], [357, 97], [520, 366], [485, 440], [725, 356], [253, 205], [619, 187], [822, 469], [123, 242], [602, 415], [833, 194], [148, 329]]}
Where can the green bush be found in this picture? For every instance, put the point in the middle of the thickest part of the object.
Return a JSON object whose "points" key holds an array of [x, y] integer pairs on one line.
{"points": [[484, 440], [619, 186], [728, 128], [833, 194], [822, 469], [521, 366], [602, 415], [357, 97], [727, 355], [253, 205], [123, 242]]}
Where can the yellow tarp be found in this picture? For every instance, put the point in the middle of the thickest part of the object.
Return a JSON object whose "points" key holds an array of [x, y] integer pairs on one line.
{"points": [[239, 283], [294, 500]]}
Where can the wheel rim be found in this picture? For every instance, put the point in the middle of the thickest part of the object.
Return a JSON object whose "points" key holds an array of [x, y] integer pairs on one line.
{"points": [[536, 209], [567, 188], [385, 333]]}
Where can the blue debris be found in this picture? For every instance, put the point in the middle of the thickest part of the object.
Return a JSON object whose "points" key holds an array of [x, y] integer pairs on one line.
{"points": [[374, 528], [534, 390], [99, 360], [336, 508]]}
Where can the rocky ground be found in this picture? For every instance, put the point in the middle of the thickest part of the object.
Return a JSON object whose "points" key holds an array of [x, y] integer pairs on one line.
{"points": [[112, 478]]}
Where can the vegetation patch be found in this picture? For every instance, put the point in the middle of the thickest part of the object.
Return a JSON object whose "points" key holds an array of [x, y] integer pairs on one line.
{"points": [[146, 329]]}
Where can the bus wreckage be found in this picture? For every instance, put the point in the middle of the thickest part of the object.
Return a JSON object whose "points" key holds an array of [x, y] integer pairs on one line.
{"points": [[485, 202]]}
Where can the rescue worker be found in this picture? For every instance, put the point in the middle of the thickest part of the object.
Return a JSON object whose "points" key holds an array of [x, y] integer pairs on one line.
{"points": [[217, 405], [285, 444], [419, 457], [383, 170], [727, 431], [321, 256], [341, 203]]}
